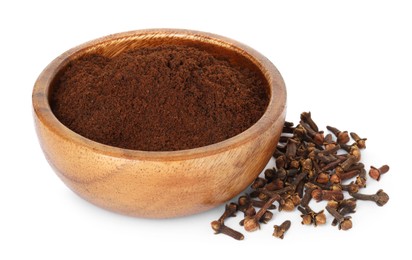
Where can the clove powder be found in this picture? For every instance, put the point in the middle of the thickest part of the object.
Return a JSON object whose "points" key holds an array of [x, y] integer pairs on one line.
{"points": [[158, 98]]}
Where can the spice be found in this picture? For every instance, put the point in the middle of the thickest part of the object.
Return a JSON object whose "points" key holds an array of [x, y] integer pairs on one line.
{"points": [[158, 98], [345, 223], [376, 173], [307, 118], [342, 137], [307, 169], [267, 216], [252, 223], [230, 211], [320, 195], [344, 207], [361, 142], [310, 217], [380, 198], [245, 201], [279, 231], [219, 227]]}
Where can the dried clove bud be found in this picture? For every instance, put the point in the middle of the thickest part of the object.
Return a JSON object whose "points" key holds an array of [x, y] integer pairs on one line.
{"points": [[219, 227], [310, 217], [380, 198], [286, 205], [328, 142], [351, 187], [258, 183], [230, 211], [361, 179], [308, 165], [307, 118], [276, 184], [270, 174], [322, 178], [279, 231], [355, 152], [349, 174], [376, 173], [320, 195], [342, 137], [359, 141], [266, 217], [252, 223], [335, 179], [345, 223], [333, 204], [345, 207]]}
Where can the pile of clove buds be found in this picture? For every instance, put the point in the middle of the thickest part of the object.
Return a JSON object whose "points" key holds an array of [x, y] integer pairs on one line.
{"points": [[309, 165]]}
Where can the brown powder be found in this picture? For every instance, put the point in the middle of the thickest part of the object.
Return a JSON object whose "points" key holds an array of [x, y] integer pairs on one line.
{"points": [[158, 99]]}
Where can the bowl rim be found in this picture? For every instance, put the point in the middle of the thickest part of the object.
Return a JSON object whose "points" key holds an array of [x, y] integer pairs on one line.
{"points": [[275, 108]]}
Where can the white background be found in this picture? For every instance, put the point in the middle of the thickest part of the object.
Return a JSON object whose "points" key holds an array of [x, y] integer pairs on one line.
{"points": [[349, 62]]}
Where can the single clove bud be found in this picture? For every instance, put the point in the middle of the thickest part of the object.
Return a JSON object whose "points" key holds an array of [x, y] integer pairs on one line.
{"points": [[230, 210], [351, 187], [320, 195], [322, 178], [345, 223], [335, 179], [316, 136], [279, 231], [380, 198], [350, 160], [307, 118], [307, 218], [275, 184], [266, 217], [286, 204], [270, 174], [249, 212], [280, 161], [345, 207], [348, 175], [291, 148], [333, 165], [361, 178], [219, 227], [245, 201], [376, 173], [308, 194], [355, 152], [333, 204], [342, 137], [252, 223], [328, 142], [258, 183], [332, 150], [359, 141]]}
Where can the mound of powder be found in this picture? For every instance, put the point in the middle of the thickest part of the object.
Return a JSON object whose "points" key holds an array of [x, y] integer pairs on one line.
{"points": [[158, 98]]}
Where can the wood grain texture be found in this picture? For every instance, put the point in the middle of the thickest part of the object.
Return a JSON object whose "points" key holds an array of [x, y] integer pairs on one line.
{"points": [[159, 184]]}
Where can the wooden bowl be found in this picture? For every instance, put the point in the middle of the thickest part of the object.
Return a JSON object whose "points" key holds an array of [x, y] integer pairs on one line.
{"points": [[159, 184]]}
